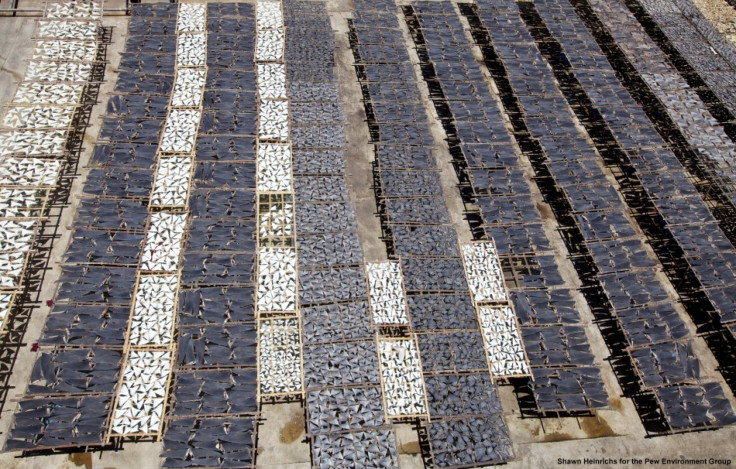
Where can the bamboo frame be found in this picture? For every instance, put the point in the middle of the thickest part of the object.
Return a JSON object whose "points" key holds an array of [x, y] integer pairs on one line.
{"points": [[48, 4], [298, 330], [46, 195], [71, 19], [62, 153], [190, 153], [200, 103], [388, 417], [171, 346], [386, 426], [164, 207], [287, 144], [640, 376], [17, 287], [128, 348], [75, 79], [36, 51], [477, 305], [184, 237], [281, 9], [70, 127], [296, 310], [455, 370], [259, 30], [260, 98], [505, 290], [521, 342], [192, 33], [37, 38], [259, 112], [277, 200], [403, 294], [41, 195], [77, 396], [167, 388], [63, 82], [266, 201], [29, 84], [379, 171], [132, 314], [676, 430]]}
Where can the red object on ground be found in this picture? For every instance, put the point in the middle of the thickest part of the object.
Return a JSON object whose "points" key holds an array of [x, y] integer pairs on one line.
{"points": [[34, 347]]}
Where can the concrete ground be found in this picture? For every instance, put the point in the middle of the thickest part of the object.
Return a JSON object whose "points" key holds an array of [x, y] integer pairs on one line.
{"points": [[615, 433]]}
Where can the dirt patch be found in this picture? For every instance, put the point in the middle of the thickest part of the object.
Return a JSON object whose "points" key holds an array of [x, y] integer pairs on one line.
{"points": [[545, 211], [292, 430], [81, 459], [616, 403], [557, 436], [596, 427], [410, 448]]}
